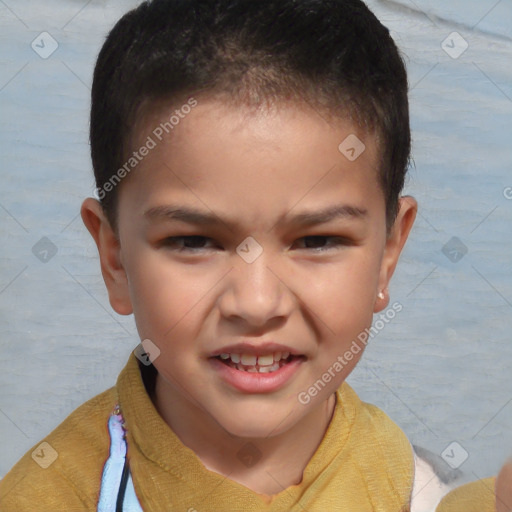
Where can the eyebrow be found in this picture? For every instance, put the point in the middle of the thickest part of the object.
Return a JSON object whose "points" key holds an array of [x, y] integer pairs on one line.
{"points": [[204, 218]]}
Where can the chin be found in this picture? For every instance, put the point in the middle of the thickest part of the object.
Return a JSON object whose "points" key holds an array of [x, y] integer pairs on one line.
{"points": [[255, 422]]}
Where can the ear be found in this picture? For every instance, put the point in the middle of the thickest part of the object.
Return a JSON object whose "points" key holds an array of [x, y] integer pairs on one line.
{"points": [[394, 244], [109, 250]]}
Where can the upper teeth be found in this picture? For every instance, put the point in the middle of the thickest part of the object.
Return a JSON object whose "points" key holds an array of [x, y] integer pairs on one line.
{"points": [[251, 360]]}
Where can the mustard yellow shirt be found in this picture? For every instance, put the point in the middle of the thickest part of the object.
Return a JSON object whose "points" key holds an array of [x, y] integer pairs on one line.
{"points": [[364, 463]]}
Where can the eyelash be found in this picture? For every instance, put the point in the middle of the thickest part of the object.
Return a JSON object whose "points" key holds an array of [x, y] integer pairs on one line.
{"points": [[171, 241]]}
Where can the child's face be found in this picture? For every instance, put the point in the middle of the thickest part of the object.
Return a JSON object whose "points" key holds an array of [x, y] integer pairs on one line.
{"points": [[254, 175]]}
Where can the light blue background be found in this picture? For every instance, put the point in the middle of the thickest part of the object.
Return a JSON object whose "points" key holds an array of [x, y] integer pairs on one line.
{"points": [[440, 369]]}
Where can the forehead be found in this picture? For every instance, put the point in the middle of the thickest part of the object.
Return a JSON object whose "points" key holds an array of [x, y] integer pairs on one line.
{"points": [[225, 158]]}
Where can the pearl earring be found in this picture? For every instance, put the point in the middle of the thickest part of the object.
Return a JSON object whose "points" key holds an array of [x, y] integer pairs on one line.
{"points": [[380, 295]]}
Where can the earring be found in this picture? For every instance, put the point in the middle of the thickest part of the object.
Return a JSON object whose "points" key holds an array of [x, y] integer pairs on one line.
{"points": [[380, 295]]}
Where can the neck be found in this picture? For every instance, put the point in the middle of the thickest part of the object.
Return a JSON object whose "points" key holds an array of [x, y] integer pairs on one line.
{"points": [[281, 463]]}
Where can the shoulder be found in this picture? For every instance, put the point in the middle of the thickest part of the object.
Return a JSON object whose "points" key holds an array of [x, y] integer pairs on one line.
{"points": [[63, 471], [383, 427], [372, 431], [436, 487], [379, 449]]}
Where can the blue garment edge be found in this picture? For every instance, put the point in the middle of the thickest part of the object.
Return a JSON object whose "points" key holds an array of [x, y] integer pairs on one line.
{"points": [[113, 471]]}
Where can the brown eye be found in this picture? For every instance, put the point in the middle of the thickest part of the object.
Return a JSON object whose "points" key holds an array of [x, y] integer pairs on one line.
{"points": [[189, 243], [318, 242]]}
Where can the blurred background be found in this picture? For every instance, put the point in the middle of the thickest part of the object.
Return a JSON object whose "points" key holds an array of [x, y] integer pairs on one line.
{"points": [[441, 369]]}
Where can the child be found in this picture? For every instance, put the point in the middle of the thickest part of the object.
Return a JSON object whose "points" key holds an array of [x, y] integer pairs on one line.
{"points": [[249, 158]]}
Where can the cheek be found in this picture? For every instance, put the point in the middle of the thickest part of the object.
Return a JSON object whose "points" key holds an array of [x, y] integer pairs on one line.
{"points": [[171, 301], [162, 296], [344, 293]]}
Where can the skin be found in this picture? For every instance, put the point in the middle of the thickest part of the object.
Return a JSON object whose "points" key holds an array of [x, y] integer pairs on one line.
{"points": [[255, 170], [504, 488]]}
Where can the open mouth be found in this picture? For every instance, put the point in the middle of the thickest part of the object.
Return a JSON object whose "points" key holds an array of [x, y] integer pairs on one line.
{"points": [[258, 364]]}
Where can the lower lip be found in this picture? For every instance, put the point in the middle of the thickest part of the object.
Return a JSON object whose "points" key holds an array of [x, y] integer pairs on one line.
{"points": [[254, 382]]}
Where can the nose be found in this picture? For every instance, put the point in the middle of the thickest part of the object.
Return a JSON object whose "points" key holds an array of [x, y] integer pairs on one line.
{"points": [[256, 292]]}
